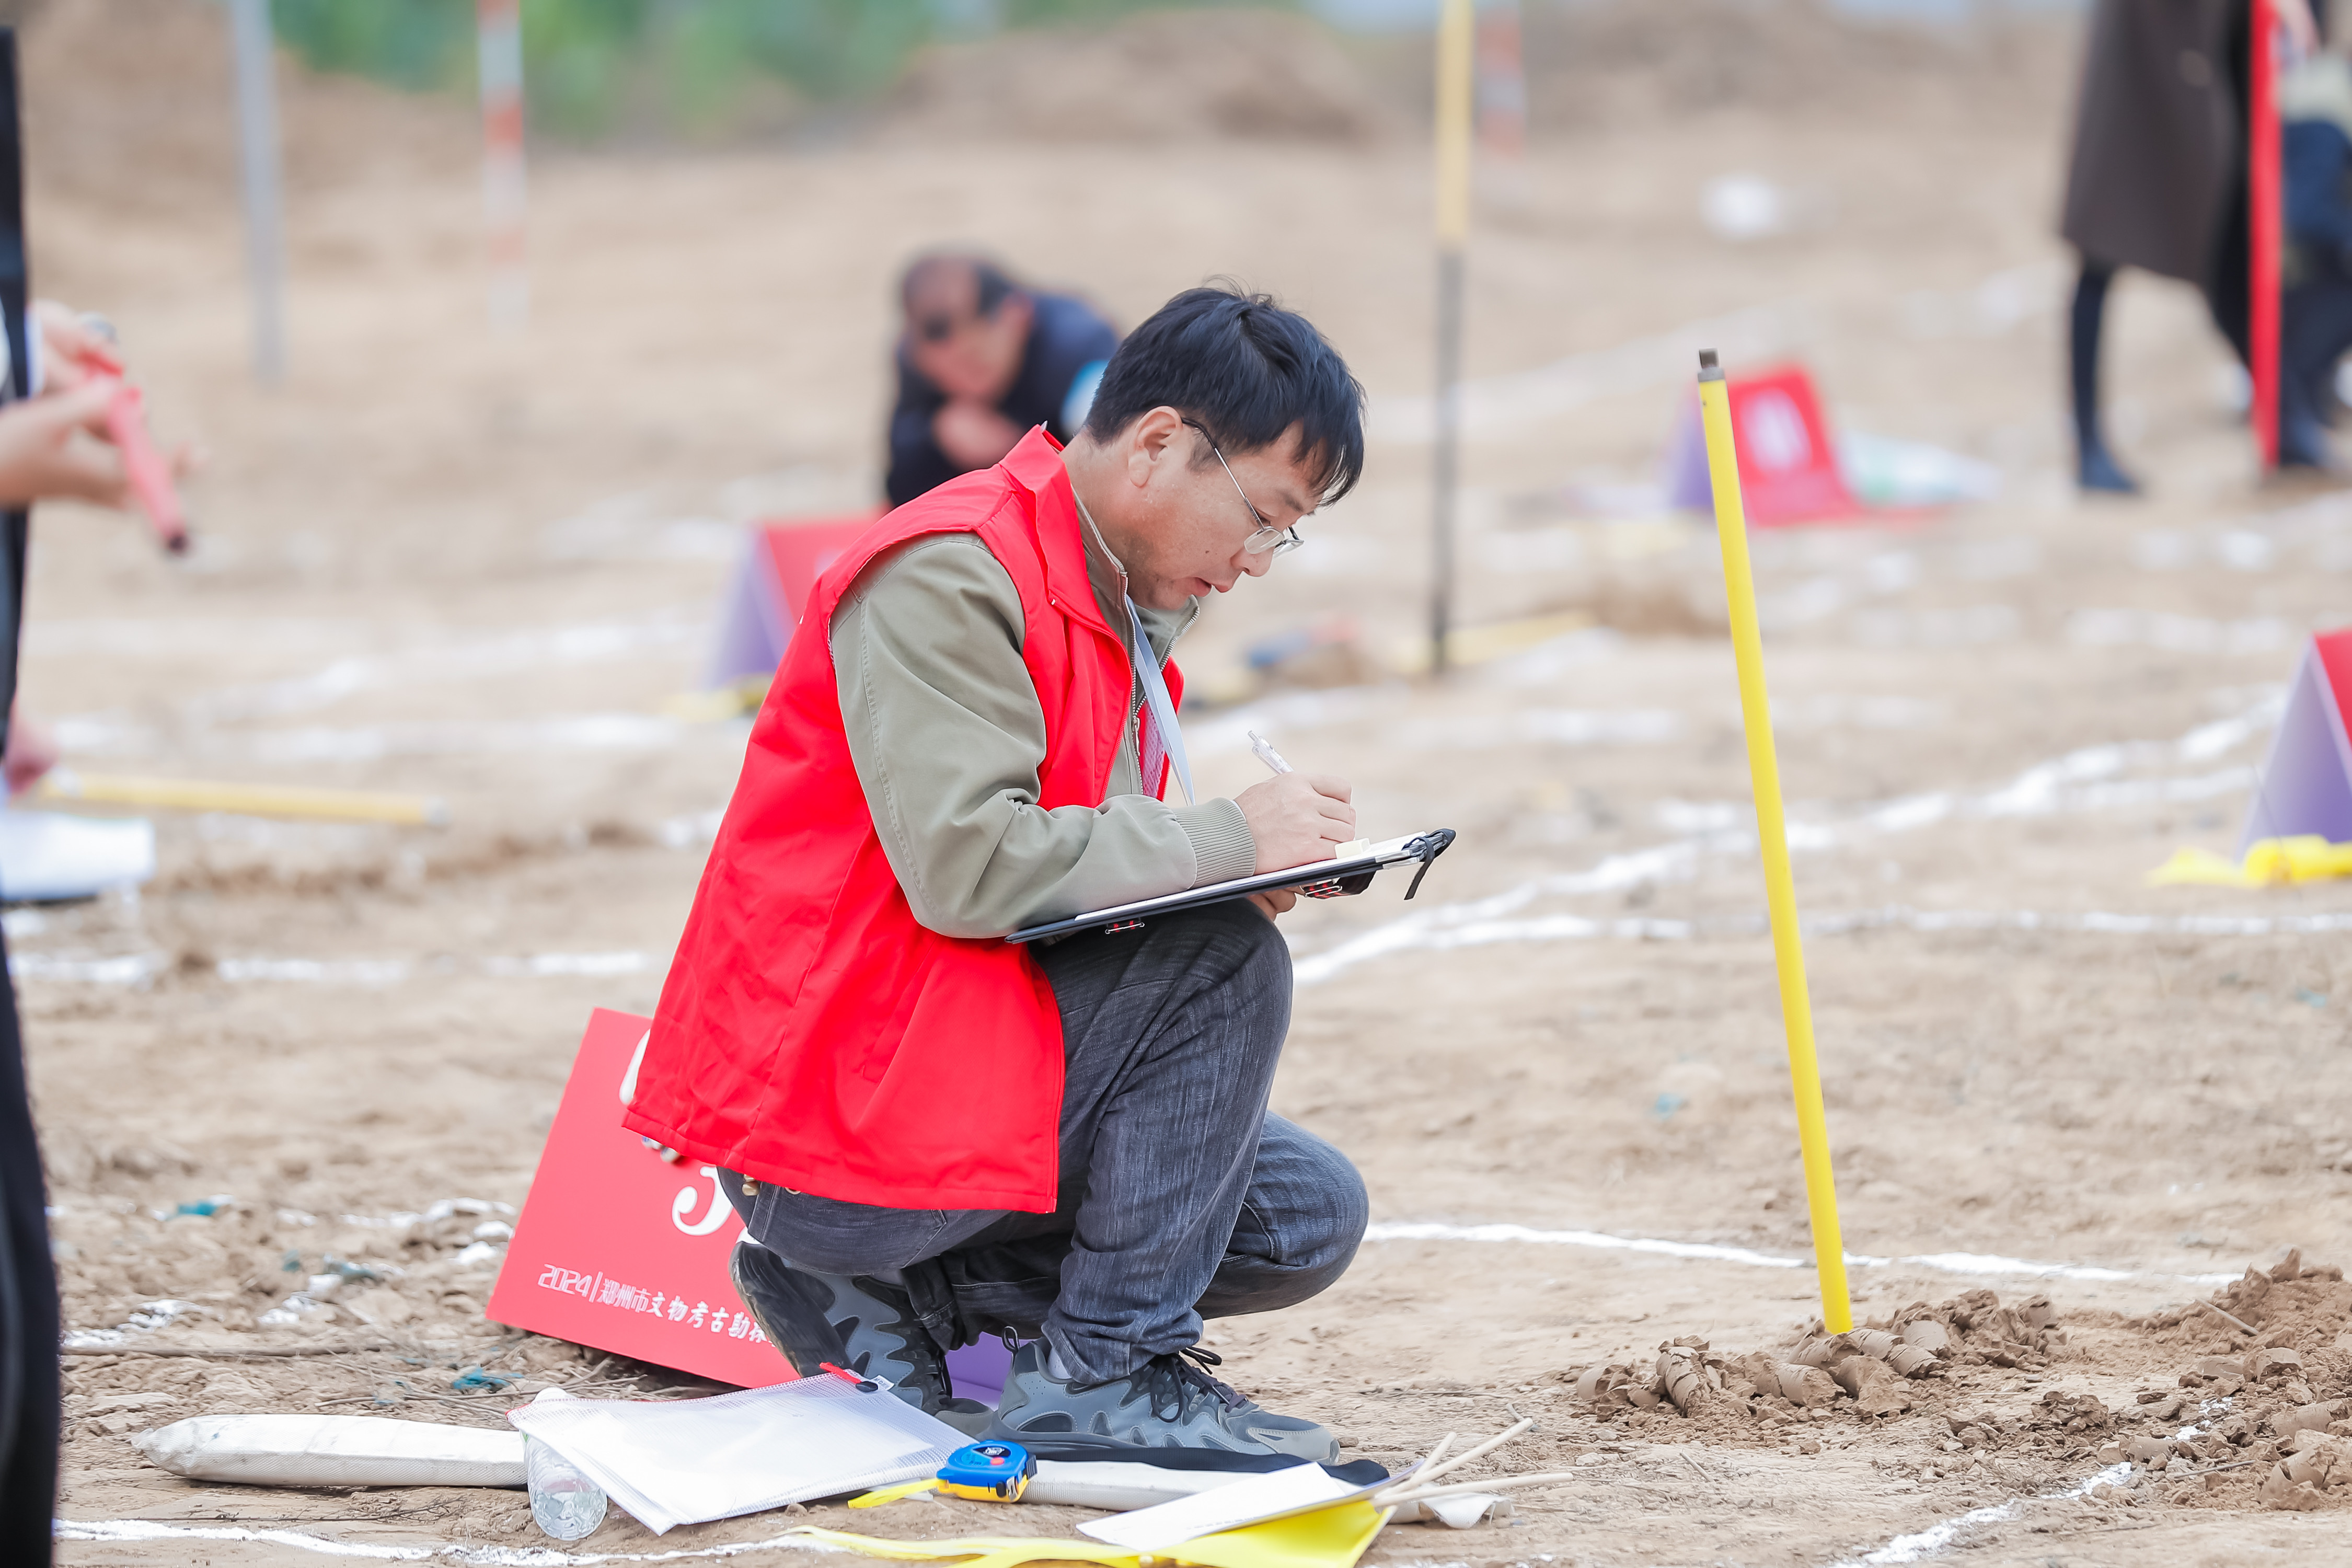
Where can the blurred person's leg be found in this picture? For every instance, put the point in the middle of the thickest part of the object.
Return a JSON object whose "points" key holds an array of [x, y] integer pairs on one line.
{"points": [[2095, 469], [28, 1315], [2227, 282], [2315, 331]]}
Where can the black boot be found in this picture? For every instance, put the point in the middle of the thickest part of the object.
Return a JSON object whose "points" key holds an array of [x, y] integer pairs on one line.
{"points": [[2094, 470]]}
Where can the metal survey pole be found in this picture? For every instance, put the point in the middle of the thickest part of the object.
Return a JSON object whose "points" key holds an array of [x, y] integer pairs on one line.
{"points": [[265, 231], [1454, 65], [498, 42]]}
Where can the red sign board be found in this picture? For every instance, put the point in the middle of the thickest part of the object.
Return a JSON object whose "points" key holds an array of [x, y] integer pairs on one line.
{"points": [[619, 1248], [1788, 459], [799, 552], [1788, 464]]}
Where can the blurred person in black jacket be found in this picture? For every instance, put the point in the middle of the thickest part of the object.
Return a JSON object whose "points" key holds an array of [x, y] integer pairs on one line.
{"points": [[2156, 180], [982, 361]]}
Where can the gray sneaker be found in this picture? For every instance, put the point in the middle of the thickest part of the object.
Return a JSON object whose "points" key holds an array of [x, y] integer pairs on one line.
{"points": [[856, 1323], [1168, 1412]]}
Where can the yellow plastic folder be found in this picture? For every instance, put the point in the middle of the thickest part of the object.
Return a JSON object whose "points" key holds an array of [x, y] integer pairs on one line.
{"points": [[1327, 1538], [2269, 862]]}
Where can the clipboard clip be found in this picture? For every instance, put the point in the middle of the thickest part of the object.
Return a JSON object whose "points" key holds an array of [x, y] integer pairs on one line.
{"points": [[1426, 849]]}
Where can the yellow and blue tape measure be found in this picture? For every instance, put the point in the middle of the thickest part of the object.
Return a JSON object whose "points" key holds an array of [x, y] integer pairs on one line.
{"points": [[985, 1472]]}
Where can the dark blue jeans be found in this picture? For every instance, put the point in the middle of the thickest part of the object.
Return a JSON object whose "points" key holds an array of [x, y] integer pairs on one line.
{"points": [[1181, 1197]]}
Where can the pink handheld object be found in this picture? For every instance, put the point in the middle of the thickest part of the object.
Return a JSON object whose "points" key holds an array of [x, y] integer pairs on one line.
{"points": [[150, 475]]}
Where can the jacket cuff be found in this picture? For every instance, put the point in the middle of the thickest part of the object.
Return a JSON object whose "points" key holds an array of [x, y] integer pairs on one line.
{"points": [[1223, 846]]}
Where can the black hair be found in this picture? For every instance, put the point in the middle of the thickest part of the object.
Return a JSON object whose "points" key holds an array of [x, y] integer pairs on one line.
{"points": [[1245, 369], [995, 285]]}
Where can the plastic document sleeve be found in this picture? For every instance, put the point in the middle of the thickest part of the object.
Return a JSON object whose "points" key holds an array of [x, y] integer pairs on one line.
{"points": [[1332, 879], [683, 1461]]}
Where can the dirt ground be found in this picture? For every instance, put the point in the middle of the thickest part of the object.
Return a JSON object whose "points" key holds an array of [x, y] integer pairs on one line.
{"points": [[440, 562]]}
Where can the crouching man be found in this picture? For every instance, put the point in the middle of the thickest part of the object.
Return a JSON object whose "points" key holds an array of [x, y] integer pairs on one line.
{"points": [[934, 1134]]}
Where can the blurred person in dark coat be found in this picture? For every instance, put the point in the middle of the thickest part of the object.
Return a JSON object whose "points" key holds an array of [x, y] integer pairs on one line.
{"points": [[981, 362], [2156, 180]]}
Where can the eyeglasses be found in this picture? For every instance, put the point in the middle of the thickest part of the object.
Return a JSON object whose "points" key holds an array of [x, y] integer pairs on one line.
{"points": [[938, 326], [1279, 540]]}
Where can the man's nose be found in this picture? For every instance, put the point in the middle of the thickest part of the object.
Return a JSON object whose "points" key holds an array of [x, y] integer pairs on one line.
{"points": [[1257, 563]]}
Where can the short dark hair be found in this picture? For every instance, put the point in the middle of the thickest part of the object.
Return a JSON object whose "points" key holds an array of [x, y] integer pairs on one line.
{"points": [[1245, 369], [992, 283]]}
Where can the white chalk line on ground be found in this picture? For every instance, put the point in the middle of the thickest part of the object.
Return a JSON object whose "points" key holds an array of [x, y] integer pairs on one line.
{"points": [[1892, 917], [507, 653], [1935, 1537], [139, 969], [2176, 634], [139, 1529], [2084, 779], [144, 968], [98, 735], [1902, 1549], [1494, 402], [474, 659], [1973, 1265]]}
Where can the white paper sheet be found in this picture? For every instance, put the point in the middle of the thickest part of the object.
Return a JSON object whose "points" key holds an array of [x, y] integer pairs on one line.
{"points": [[47, 855], [683, 1461], [1253, 1501]]}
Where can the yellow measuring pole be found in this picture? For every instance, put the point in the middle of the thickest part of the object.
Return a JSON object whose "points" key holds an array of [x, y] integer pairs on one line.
{"points": [[248, 800], [1456, 93], [1772, 837]]}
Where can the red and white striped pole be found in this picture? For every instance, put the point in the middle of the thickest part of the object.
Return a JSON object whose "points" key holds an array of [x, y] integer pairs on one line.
{"points": [[2264, 225], [504, 206], [1502, 83]]}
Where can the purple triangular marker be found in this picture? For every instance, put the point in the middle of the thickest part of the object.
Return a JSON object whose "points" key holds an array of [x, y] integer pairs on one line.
{"points": [[2306, 785], [754, 626], [1690, 487], [978, 1371]]}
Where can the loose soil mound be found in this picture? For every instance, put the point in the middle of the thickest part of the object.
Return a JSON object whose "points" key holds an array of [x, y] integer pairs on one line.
{"points": [[2259, 1419]]}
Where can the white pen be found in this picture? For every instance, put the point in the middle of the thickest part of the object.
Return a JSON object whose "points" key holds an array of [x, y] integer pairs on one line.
{"points": [[1263, 750]]}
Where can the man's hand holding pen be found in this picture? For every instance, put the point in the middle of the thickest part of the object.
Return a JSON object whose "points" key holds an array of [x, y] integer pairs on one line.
{"points": [[1296, 819]]}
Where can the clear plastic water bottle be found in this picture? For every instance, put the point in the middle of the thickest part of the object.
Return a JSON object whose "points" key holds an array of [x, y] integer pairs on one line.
{"points": [[567, 1504]]}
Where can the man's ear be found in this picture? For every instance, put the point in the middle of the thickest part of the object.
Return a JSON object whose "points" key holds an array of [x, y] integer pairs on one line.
{"points": [[1151, 441]]}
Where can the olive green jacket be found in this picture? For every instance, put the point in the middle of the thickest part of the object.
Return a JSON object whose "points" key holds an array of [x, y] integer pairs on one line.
{"points": [[947, 735]]}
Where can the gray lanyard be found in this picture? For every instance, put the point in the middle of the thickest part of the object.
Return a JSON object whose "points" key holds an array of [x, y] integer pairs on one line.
{"points": [[1163, 709]]}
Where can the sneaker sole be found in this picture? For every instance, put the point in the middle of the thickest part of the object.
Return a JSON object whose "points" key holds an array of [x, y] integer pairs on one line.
{"points": [[1078, 1446]]}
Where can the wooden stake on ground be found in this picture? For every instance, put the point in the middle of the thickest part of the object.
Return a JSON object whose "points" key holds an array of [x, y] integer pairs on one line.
{"points": [[2237, 1322], [1456, 35], [1772, 837], [245, 800]]}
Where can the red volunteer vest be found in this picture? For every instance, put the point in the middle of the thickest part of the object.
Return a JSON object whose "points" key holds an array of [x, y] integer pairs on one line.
{"points": [[812, 1032]]}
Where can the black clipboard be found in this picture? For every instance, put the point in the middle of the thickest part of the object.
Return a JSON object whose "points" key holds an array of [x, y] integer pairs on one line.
{"points": [[1334, 879]]}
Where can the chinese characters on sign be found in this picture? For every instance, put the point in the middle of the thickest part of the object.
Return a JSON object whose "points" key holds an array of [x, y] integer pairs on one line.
{"points": [[606, 1292]]}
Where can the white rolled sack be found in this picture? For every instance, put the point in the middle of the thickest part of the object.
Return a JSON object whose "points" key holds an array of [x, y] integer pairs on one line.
{"points": [[333, 1451]]}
